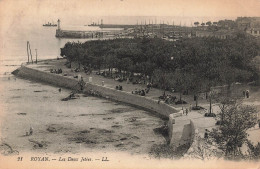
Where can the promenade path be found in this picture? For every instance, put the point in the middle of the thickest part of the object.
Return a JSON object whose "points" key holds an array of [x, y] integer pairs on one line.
{"points": [[111, 83]]}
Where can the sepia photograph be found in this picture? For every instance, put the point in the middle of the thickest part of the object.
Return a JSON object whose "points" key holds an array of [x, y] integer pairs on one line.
{"points": [[151, 84]]}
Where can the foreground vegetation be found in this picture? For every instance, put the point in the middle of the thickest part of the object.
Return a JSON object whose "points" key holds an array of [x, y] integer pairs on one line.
{"points": [[235, 119]]}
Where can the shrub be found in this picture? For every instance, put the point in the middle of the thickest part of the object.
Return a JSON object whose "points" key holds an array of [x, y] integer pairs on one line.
{"points": [[180, 102], [210, 115]]}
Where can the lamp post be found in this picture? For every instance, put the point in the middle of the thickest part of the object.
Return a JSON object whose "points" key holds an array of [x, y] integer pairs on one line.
{"points": [[36, 56], [211, 94]]}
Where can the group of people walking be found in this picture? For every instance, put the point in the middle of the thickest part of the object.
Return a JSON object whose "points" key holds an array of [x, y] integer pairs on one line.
{"points": [[59, 71], [119, 87], [140, 92]]}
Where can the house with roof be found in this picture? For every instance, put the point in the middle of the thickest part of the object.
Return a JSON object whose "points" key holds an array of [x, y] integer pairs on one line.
{"points": [[221, 34]]}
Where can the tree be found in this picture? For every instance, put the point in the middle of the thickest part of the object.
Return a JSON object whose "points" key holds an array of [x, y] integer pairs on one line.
{"points": [[235, 119], [125, 64], [202, 149], [222, 61], [253, 150], [209, 23], [110, 62], [79, 53], [97, 62], [196, 23], [160, 77], [69, 52], [181, 81], [202, 24], [227, 24], [197, 87]]}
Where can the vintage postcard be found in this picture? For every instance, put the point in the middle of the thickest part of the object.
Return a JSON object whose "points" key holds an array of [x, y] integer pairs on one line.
{"points": [[129, 84]]}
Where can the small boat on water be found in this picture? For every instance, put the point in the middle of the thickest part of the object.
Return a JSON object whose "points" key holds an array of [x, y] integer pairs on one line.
{"points": [[49, 24], [93, 24]]}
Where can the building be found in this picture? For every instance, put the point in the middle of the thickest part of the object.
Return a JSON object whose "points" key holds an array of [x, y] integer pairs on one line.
{"points": [[253, 31], [221, 34], [244, 23]]}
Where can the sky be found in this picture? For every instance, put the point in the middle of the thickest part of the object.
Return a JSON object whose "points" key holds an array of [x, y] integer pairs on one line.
{"points": [[15, 11], [132, 7]]}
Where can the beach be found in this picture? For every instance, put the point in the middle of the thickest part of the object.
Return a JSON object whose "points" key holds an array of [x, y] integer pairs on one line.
{"points": [[84, 124]]}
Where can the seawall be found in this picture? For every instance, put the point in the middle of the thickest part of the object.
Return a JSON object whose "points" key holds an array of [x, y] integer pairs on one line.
{"points": [[161, 108], [197, 148], [180, 132], [136, 100], [41, 76]]}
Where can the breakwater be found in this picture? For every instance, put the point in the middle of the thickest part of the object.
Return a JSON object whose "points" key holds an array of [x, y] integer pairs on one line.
{"points": [[113, 26], [85, 34], [116, 26], [77, 34]]}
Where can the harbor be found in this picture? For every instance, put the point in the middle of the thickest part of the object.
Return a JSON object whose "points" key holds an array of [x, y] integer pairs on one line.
{"points": [[102, 34]]}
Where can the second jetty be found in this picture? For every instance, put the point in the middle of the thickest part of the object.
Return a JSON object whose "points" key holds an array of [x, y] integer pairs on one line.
{"points": [[85, 34]]}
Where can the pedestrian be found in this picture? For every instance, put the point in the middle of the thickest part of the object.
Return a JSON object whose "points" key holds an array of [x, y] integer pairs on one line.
{"points": [[206, 134], [59, 89], [247, 94], [81, 83], [79, 77], [120, 87], [187, 111], [142, 93], [30, 131]]}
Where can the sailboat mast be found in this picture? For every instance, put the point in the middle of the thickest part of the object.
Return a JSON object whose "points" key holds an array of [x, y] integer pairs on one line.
{"points": [[36, 55], [28, 51]]}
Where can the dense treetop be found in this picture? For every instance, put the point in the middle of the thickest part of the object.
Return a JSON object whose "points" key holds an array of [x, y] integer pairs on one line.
{"points": [[184, 64]]}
